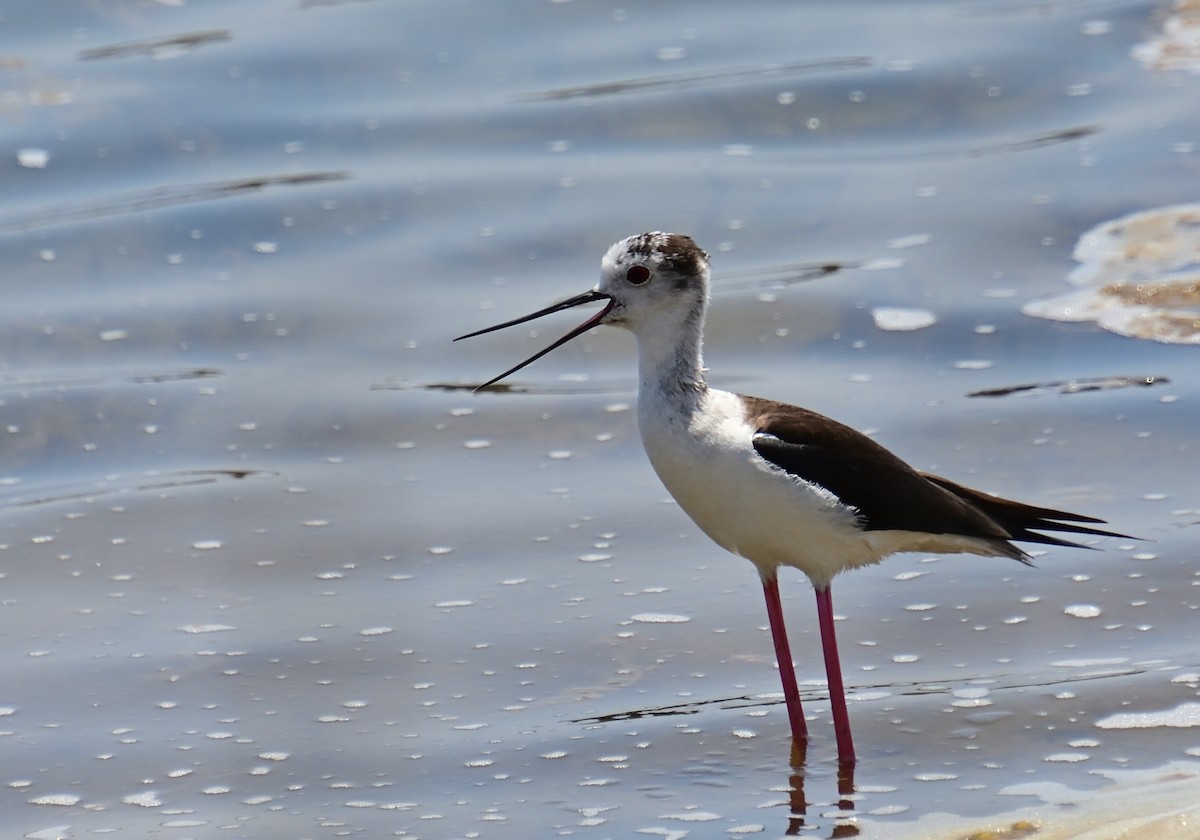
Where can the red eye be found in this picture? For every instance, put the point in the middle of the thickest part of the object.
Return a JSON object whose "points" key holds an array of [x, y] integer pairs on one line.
{"points": [[637, 275]]}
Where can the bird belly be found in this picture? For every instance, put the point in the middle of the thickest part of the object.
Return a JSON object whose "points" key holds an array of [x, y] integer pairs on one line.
{"points": [[747, 505]]}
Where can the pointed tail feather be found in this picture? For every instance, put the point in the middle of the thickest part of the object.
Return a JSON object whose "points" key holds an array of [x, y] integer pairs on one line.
{"points": [[1023, 521]]}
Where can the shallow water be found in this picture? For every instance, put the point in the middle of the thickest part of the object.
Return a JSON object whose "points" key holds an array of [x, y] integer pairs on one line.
{"points": [[269, 568]]}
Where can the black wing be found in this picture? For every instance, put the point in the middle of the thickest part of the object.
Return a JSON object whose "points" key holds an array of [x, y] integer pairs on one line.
{"points": [[887, 497], [888, 494]]}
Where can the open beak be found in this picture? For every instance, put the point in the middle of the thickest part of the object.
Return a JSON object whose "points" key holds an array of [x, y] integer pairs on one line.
{"points": [[595, 320]]}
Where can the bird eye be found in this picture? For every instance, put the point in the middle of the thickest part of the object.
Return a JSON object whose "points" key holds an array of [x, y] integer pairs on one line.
{"points": [[638, 275]]}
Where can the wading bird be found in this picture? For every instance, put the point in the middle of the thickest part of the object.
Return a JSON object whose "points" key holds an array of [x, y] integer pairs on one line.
{"points": [[775, 483]]}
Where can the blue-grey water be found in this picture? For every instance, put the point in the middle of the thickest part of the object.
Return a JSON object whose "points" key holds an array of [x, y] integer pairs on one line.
{"points": [[269, 568]]}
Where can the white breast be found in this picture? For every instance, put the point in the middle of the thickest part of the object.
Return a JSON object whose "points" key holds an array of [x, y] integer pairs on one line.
{"points": [[704, 455]]}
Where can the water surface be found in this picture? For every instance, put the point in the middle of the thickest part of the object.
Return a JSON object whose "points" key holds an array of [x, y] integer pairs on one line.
{"points": [[269, 568]]}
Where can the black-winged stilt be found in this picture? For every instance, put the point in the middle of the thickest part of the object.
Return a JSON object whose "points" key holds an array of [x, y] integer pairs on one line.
{"points": [[775, 483]]}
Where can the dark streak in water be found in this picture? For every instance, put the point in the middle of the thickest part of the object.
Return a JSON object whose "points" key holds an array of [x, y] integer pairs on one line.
{"points": [[593, 388], [913, 689], [7, 384], [924, 152], [170, 481], [171, 43], [678, 81], [777, 276], [1074, 386], [1038, 141], [1049, 138], [140, 200], [197, 373], [498, 387]]}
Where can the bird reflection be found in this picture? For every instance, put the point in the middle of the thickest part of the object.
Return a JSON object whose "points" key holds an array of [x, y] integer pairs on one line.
{"points": [[798, 799]]}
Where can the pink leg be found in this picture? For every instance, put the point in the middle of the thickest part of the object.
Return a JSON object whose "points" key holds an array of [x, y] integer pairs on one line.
{"points": [[783, 656], [833, 671]]}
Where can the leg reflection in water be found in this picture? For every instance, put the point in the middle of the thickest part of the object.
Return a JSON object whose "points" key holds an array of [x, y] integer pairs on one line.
{"points": [[798, 801]]}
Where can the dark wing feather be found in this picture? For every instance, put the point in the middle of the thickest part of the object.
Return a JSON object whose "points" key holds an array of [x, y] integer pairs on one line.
{"points": [[1019, 519], [887, 493]]}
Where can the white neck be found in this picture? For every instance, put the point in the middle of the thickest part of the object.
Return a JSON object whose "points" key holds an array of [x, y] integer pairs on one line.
{"points": [[669, 362]]}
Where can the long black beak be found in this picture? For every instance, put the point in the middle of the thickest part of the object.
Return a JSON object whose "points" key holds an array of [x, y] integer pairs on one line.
{"points": [[595, 320]]}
